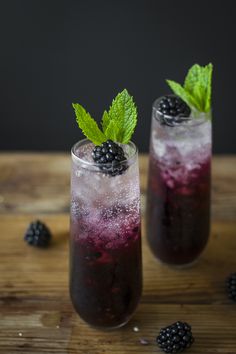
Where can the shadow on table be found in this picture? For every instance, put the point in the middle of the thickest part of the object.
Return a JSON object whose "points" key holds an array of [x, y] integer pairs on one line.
{"points": [[60, 238]]}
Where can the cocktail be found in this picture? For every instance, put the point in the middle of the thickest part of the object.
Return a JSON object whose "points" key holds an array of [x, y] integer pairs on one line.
{"points": [[179, 184], [105, 244]]}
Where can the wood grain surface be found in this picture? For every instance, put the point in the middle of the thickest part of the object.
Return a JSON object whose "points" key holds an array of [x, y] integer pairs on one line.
{"points": [[36, 315]]}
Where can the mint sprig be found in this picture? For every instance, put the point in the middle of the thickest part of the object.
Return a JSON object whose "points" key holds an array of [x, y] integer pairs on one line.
{"points": [[122, 117], [118, 123], [196, 91], [88, 125]]}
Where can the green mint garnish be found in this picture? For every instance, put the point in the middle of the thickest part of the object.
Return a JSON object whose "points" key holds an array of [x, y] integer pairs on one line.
{"points": [[118, 123], [88, 125], [196, 91], [122, 118]]}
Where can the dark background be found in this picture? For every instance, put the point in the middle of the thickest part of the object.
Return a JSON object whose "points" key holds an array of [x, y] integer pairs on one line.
{"points": [[57, 52]]}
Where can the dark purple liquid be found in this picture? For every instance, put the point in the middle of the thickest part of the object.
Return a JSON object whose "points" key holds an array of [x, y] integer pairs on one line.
{"points": [[178, 214], [106, 272]]}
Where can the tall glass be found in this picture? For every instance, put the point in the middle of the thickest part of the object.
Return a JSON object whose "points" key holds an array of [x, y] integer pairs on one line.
{"points": [[105, 242], [179, 184]]}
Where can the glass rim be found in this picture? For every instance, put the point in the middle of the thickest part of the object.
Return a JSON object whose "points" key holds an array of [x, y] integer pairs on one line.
{"points": [[80, 160], [188, 122]]}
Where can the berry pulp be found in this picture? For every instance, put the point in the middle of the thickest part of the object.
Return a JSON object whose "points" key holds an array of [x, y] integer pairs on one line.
{"points": [[105, 275]]}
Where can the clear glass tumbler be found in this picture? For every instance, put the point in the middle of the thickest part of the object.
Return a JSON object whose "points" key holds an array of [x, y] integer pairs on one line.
{"points": [[105, 242], [179, 188]]}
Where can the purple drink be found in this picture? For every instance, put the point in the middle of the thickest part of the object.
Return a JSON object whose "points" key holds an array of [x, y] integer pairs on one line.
{"points": [[178, 200], [105, 247]]}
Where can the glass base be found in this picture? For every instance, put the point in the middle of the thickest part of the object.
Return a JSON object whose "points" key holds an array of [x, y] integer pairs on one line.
{"points": [[179, 266], [110, 328]]}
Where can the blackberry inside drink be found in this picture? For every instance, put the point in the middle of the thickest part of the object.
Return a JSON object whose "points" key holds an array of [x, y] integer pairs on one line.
{"points": [[178, 200], [105, 246]]}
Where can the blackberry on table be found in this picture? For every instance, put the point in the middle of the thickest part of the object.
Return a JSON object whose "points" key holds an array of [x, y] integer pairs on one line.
{"points": [[231, 286], [38, 234], [173, 109], [110, 155], [175, 338]]}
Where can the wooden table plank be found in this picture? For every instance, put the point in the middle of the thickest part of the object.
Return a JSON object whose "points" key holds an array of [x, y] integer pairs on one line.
{"points": [[36, 315], [33, 274], [34, 183], [43, 333], [34, 297], [40, 183]]}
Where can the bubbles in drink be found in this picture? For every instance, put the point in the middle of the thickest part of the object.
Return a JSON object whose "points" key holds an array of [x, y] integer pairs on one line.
{"points": [[180, 151], [106, 203]]}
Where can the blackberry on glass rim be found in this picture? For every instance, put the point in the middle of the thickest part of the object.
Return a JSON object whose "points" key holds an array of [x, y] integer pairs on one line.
{"points": [[172, 110], [109, 155]]}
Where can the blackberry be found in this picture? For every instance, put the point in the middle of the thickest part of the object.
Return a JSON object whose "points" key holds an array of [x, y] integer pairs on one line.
{"points": [[110, 155], [231, 286], [38, 234], [173, 110], [175, 338]]}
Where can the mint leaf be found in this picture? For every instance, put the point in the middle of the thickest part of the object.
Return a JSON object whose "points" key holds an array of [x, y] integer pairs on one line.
{"points": [[105, 121], [198, 84], [208, 76], [196, 90], [123, 114], [88, 125], [192, 78], [118, 124], [181, 92], [112, 131]]}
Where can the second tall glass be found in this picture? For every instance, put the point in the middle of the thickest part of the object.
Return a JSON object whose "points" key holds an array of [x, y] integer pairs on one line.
{"points": [[178, 201]]}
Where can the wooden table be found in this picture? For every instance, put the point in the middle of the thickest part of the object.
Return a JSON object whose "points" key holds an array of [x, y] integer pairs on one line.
{"points": [[36, 315]]}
